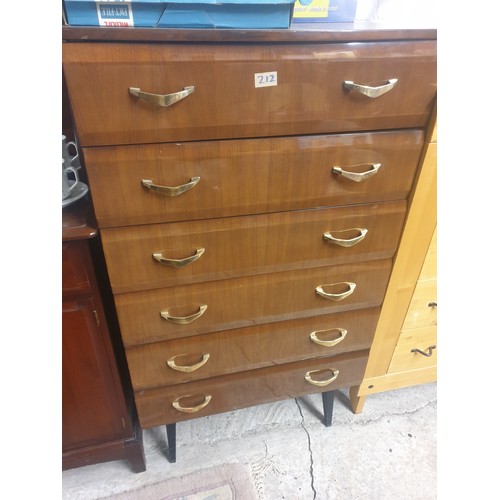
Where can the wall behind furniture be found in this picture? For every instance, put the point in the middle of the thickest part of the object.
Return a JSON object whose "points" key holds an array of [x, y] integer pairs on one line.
{"points": [[422, 13]]}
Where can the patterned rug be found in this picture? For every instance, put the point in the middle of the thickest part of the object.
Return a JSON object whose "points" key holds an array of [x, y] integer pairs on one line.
{"points": [[226, 482]]}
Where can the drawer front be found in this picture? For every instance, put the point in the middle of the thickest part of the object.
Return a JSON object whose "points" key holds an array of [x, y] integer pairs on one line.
{"points": [[421, 338], [308, 94], [247, 301], [204, 356], [156, 406], [248, 176], [423, 306], [74, 268], [145, 257]]}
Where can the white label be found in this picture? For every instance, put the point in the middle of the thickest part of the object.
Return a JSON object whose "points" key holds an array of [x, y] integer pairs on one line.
{"points": [[111, 13], [269, 79]]}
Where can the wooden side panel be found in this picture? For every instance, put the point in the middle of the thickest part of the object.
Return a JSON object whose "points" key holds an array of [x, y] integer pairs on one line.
{"points": [[417, 235], [429, 269]]}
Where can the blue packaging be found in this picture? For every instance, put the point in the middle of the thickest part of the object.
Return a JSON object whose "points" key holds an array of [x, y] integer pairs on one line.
{"points": [[142, 13], [243, 14]]}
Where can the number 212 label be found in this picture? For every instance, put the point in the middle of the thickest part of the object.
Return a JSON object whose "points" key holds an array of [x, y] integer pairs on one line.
{"points": [[269, 79]]}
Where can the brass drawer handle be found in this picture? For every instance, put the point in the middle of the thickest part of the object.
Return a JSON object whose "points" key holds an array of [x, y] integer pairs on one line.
{"points": [[178, 263], [183, 320], [191, 409], [354, 176], [321, 383], [336, 296], [159, 99], [328, 236], [170, 190], [187, 369], [329, 343], [427, 354], [369, 91]]}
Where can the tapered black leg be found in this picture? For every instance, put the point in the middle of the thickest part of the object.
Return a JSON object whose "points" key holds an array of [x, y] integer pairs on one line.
{"points": [[171, 442], [328, 407]]}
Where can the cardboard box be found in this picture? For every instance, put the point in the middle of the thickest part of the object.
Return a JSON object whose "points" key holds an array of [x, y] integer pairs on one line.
{"points": [[245, 14], [327, 11], [144, 13]]}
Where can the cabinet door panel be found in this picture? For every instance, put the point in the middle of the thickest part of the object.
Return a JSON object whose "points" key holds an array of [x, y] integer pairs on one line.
{"points": [[91, 408]]}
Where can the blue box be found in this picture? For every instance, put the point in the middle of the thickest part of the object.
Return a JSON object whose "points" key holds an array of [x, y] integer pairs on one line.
{"points": [[141, 13], [243, 14], [326, 11]]}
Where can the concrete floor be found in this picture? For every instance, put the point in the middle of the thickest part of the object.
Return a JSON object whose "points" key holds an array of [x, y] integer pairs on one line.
{"points": [[387, 452]]}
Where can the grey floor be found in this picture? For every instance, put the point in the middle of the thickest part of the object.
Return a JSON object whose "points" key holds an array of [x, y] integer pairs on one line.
{"points": [[389, 451]]}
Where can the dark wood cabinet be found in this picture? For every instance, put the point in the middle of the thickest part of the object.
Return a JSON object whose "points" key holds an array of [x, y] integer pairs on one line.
{"points": [[98, 421]]}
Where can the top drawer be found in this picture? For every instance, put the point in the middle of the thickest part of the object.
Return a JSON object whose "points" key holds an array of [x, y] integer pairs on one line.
{"points": [[305, 89]]}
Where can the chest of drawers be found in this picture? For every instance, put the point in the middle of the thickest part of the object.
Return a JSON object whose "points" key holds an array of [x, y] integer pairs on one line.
{"points": [[248, 228]]}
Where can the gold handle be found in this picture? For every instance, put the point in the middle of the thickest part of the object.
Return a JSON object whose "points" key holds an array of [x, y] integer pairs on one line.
{"points": [[159, 99], [178, 263], [328, 343], [346, 242], [321, 383], [336, 296], [370, 91], [170, 190], [358, 177], [191, 409], [187, 369], [183, 320]]}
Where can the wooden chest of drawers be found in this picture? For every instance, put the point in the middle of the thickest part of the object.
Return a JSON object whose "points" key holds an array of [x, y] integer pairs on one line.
{"points": [[248, 229]]}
